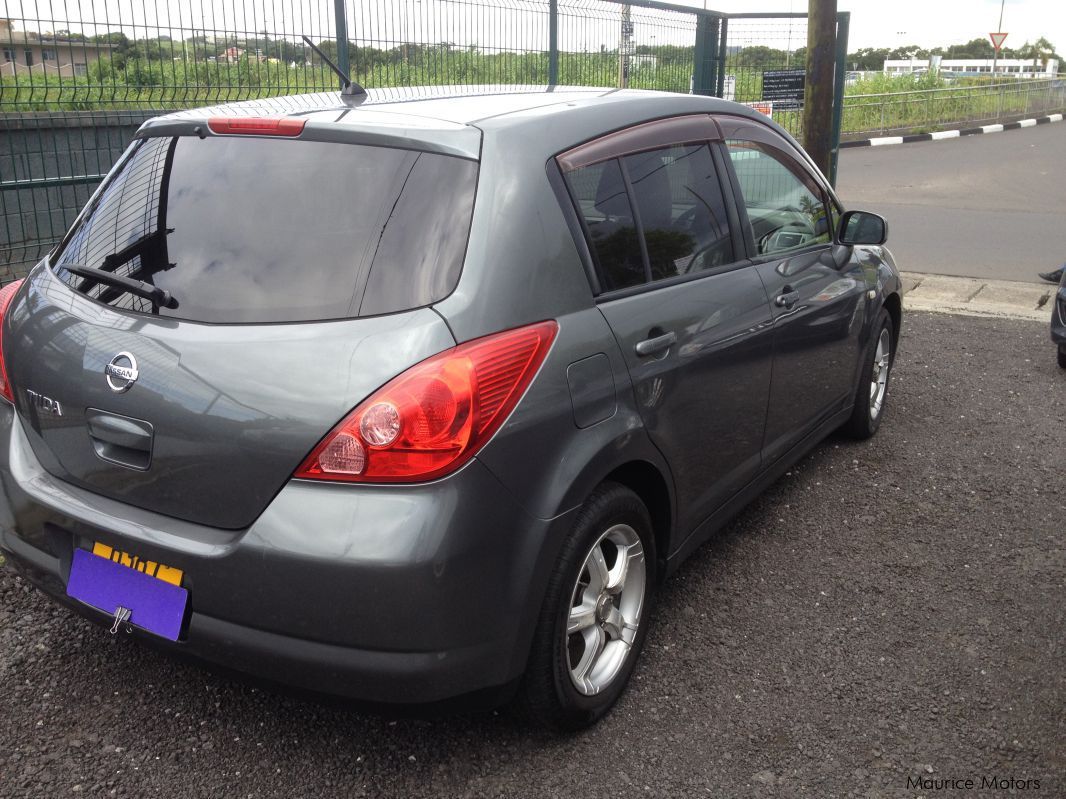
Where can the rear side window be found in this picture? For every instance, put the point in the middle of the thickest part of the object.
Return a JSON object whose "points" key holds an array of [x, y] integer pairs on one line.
{"points": [[246, 230], [786, 209], [601, 196], [653, 215], [682, 211]]}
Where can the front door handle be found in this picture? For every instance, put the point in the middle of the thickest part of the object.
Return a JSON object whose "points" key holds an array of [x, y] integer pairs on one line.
{"points": [[651, 346], [787, 298]]}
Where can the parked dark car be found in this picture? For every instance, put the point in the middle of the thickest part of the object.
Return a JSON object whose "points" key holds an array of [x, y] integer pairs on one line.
{"points": [[421, 398], [1058, 320]]}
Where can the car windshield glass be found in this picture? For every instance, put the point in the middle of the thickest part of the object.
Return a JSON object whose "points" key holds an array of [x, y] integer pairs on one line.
{"points": [[249, 230]]}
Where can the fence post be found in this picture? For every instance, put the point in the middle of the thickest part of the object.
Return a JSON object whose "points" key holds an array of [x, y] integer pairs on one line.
{"points": [[342, 37], [553, 42], [705, 68], [839, 78], [720, 63]]}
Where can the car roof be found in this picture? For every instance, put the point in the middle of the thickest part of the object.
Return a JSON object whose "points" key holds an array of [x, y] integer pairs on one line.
{"points": [[457, 105], [452, 119]]}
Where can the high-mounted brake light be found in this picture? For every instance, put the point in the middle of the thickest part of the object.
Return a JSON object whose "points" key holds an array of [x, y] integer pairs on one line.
{"points": [[433, 418], [256, 126], [7, 294]]}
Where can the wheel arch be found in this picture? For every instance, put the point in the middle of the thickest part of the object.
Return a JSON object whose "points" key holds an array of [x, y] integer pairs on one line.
{"points": [[894, 305], [630, 460], [649, 484]]}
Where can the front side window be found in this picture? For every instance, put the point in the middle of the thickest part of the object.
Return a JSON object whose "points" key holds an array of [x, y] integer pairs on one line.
{"points": [[786, 210]]}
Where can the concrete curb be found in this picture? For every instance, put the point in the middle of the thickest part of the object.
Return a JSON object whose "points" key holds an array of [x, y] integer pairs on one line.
{"points": [[952, 134], [967, 296]]}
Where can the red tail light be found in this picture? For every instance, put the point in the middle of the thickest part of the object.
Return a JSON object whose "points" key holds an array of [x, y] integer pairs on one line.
{"points": [[431, 419], [7, 294], [256, 126]]}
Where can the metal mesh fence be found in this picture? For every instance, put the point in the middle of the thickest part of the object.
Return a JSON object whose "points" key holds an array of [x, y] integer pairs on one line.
{"points": [[757, 45], [932, 109], [168, 54], [165, 54]]}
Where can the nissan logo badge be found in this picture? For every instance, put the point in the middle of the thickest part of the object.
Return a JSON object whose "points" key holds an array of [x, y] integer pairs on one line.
{"points": [[121, 372]]}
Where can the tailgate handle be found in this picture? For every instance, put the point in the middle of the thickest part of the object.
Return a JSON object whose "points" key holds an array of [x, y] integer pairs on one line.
{"points": [[120, 439]]}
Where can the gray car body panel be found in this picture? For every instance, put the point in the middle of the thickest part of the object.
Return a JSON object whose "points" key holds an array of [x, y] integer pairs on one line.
{"points": [[366, 576], [235, 408], [413, 593]]}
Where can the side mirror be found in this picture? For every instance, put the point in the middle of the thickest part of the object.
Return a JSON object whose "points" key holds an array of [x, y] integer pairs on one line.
{"points": [[862, 227]]}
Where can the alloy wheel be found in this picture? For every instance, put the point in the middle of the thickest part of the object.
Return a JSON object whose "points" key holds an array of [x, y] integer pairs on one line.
{"points": [[605, 609], [879, 374]]}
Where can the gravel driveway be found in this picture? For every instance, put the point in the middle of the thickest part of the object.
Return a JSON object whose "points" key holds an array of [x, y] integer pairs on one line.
{"points": [[887, 612]]}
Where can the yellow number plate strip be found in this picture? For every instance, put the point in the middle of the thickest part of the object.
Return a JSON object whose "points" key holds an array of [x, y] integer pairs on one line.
{"points": [[167, 574]]}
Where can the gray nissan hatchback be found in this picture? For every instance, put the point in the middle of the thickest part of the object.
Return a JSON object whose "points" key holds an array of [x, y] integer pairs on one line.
{"points": [[419, 396]]}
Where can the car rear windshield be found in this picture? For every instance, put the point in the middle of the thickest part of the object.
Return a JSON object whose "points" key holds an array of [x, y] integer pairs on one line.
{"points": [[247, 230]]}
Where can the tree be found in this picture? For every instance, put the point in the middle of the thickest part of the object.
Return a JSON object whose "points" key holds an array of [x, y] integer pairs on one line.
{"points": [[120, 47], [1041, 50], [975, 48], [64, 35], [760, 57], [868, 59], [907, 52]]}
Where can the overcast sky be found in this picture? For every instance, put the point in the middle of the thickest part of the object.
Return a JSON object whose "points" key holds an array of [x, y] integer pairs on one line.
{"points": [[928, 23]]}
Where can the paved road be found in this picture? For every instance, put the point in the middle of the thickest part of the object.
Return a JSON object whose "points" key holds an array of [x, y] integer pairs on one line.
{"points": [[887, 611], [991, 206]]}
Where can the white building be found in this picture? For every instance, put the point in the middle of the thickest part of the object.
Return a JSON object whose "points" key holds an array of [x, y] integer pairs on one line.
{"points": [[1008, 67]]}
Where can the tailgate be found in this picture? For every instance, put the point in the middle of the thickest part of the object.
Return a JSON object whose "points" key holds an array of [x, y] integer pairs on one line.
{"points": [[218, 416]]}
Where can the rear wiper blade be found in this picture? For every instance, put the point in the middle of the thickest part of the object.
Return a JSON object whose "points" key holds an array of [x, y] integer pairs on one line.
{"points": [[160, 298]]}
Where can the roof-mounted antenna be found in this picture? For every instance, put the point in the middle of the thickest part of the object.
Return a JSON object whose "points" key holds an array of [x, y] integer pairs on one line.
{"points": [[351, 92]]}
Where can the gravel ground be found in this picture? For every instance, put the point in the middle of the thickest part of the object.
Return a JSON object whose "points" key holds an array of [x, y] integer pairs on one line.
{"points": [[886, 612]]}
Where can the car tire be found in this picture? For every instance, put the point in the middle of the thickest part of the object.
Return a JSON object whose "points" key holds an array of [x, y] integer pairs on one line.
{"points": [[592, 601], [872, 392], [1062, 355]]}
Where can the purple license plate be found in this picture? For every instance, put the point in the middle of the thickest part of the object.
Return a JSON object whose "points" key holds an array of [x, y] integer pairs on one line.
{"points": [[156, 606]]}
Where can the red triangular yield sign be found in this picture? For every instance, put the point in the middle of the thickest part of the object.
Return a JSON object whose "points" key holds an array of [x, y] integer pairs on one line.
{"points": [[997, 39]]}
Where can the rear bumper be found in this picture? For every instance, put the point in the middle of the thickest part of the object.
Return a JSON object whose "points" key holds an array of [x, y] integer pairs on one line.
{"points": [[378, 677], [384, 594]]}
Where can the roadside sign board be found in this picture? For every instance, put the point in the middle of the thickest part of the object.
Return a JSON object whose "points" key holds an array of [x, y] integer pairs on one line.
{"points": [[784, 87], [997, 39], [729, 87]]}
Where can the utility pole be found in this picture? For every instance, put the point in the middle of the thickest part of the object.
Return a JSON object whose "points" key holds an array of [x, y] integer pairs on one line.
{"points": [[995, 50], [818, 90]]}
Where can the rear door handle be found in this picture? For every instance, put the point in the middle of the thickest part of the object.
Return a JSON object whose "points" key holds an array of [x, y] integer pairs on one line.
{"points": [[651, 346], [787, 298]]}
